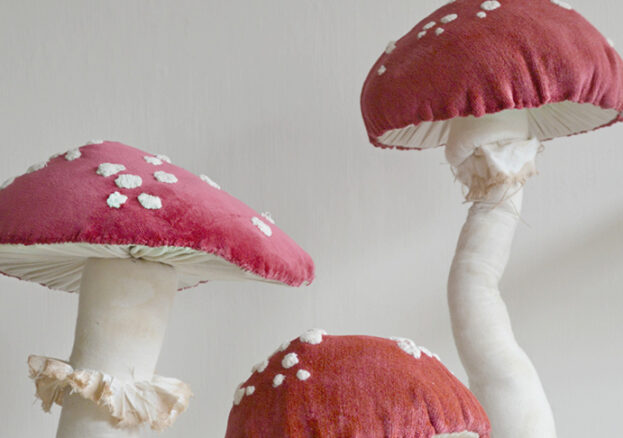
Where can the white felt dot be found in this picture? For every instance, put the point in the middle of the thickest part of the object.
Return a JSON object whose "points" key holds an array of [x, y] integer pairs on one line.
{"points": [[490, 5], [165, 177], [303, 374], [73, 154], [262, 226], [150, 202], [481, 14], [312, 336], [426, 351], [153, 160], [250, 390], [562, 4], [260, 367], [610, 42], [116, 200], [284, 346], [429, 25], [391, 46], [128, 181], [421, 34], [382, 69], [439, 31], [108, 169], [238, 395], [449, 18], [96, 141], [278, 380], [408, 346], [164, 158], [7, 183], [289, 360], [36, 167], [269, 217], [206, 178]]}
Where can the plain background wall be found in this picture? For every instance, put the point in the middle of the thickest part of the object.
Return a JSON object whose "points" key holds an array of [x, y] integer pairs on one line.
{"points": [[263, 96]]}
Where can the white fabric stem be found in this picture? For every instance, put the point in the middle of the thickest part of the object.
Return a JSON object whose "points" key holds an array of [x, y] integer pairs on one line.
{"points": [[500, 373], [122, 316]]}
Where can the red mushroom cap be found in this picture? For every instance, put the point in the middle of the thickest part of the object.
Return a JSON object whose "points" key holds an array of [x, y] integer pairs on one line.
{"points": [[475, 57], [354, 386], [112, 200]]}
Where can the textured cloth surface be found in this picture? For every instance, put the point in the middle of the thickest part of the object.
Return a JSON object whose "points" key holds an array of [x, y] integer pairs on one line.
{"points": [[474, 58], [354, 387], [67, 200]]}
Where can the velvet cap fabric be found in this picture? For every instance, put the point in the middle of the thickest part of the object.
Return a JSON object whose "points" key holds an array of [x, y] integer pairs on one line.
{"points": [[475, 57], [354, 387], [110, 199]]}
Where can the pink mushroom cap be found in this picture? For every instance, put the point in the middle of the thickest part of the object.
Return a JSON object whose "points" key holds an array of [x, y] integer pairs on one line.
{"points": [[354, 386], [112, 200], [475, 57]]}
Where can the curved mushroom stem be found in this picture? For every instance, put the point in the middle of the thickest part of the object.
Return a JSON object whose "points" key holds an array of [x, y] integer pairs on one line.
{"points": [[122, 317], [500, 373]]}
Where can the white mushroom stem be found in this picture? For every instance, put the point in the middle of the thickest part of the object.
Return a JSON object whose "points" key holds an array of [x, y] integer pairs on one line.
{"points": [[122, 316], [500, 373]]}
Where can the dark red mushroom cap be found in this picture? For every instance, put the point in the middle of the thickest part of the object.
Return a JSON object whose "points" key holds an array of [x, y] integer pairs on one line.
{"points": [[475, 57], [112, 200], [354, 386]]}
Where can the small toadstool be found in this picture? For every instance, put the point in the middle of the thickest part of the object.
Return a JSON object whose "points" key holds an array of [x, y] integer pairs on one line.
{"points": [[355, 386], [127, 229], [502, 78]]}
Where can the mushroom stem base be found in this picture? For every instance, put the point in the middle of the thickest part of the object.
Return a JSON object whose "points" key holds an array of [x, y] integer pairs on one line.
{"points": [[500, 373], [122, 317]]}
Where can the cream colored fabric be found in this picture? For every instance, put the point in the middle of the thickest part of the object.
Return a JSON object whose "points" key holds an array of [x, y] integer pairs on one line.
{"points": [[59, 266], [546, 122], [156, 403]]}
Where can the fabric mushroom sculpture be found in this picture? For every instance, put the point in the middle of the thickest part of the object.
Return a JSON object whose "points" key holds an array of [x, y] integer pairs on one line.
{"points": [[491, 80], [127, 229], [354, 386]]}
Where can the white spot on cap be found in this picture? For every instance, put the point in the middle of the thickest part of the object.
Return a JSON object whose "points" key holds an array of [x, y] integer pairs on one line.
{"points": [[391, 46], [153, 160], [128, 181], [429, 25], [610, 42], [382, 69], [303, 374], [108, 169], [439, 31], [165, 177], [36, 167], [206, 178], [449, 18], [250, 390], [96, 141], [421, 34], [408, 346], [238, 395], [481, 14], [312, 336], [562, 4], [262, 226], [150, 202], [164, 158], [490, 5], [7, 183], [289, 360], [269, 217], [116, 200], [73, 154], [426, 351], [260, 367], [278, 380], [283, 347]]}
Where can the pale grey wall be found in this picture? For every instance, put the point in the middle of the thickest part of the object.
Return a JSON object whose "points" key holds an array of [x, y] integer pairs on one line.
{"points": [[263, 96]]}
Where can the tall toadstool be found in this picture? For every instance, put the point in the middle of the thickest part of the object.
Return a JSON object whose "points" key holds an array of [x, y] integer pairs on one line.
{"points": [[127, 229], [354, 386], [491, 80]]}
